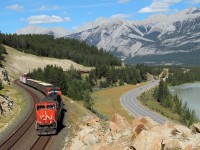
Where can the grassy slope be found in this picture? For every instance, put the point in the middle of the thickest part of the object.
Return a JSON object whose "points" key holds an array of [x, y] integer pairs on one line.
{"points": [[19, 62]]}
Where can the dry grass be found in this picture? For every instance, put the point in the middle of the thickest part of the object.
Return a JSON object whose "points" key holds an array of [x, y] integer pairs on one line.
{"points": [[76, 114], [18, 62], [107, 101], [75, 111]]}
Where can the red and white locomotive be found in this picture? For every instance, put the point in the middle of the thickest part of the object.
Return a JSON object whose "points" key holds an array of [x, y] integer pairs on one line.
{"points": [[49, 109], [48, 114]]}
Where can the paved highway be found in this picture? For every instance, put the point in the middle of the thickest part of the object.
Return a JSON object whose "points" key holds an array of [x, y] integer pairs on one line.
{"points": [[129, 101]]}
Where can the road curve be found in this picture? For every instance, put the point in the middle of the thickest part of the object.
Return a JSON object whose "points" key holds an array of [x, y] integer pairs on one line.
{"points": [[129, 101]]}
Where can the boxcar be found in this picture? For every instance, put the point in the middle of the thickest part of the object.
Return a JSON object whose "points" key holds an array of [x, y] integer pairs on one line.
{"points": [[44, 87], [32, 83], [23, 78]]}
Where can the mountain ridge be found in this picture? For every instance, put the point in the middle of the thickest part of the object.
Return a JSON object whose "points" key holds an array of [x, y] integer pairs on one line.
{"points": [[156, 36]]}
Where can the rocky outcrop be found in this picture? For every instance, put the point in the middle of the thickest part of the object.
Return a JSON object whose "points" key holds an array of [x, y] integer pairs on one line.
{"points": [[196, 128], [6, 104], [142, 134]]}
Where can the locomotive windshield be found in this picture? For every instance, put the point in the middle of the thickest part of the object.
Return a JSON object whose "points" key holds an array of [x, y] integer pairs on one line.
{"points": [[40, 107], [51, 106]]}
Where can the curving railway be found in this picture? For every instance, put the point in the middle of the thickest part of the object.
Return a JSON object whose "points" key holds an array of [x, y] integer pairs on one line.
{"points": [[15, 139]]}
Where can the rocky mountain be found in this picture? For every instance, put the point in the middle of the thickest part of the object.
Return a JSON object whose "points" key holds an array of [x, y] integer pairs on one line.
{"points": [[56, 31], [160, 39]]}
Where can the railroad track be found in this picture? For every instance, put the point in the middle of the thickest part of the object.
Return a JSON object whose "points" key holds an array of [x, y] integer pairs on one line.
{"points": [[41, 143], [13, 139]]}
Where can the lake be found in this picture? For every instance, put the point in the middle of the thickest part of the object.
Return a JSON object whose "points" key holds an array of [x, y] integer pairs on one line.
{"points": [[189, 92]]}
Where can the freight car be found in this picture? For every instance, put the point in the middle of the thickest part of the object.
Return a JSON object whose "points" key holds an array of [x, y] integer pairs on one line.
{"points": [[48, 114], [43, 87]]}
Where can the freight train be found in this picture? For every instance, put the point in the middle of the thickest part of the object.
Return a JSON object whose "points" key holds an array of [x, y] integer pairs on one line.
{"points": [[49, 109], [43, 87]]}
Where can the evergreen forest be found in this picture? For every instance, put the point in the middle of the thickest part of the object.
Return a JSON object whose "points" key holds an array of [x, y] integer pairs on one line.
{"points": [[174, 103], [78, 87], [48, 46], [178, 75], [107, 76]]}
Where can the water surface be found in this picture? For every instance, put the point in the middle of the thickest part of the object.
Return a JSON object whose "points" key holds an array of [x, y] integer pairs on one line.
{"points": [[189, 92]]}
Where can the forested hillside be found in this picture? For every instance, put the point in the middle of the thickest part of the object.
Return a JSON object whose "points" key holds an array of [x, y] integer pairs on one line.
{"points": [[112, 76], [45, 45], [179, 75], [78, 87]]}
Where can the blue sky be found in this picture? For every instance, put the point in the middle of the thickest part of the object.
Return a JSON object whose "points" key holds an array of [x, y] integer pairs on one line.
{"points": [[70, 14]]}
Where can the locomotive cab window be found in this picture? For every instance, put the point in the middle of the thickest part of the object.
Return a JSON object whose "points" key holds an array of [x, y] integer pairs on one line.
{"points": [[51, 106], [40, 107]]}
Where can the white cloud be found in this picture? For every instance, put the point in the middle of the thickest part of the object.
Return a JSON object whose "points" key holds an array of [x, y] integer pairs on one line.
{"points": [[122, 16], [195, 1], [15, 7], [158, 6], [46, 19], [123, 1]]}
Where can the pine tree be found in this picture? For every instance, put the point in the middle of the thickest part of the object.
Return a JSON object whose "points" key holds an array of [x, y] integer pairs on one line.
{"points": [[88, 102], [161, 91]]}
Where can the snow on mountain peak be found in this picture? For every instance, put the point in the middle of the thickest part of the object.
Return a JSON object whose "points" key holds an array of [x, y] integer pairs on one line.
{"points": [[192, 10], [101, 21], [189, 12], [156, 18]]}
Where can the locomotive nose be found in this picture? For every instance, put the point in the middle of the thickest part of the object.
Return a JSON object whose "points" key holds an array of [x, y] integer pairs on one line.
{"points": [[46, 117]]}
